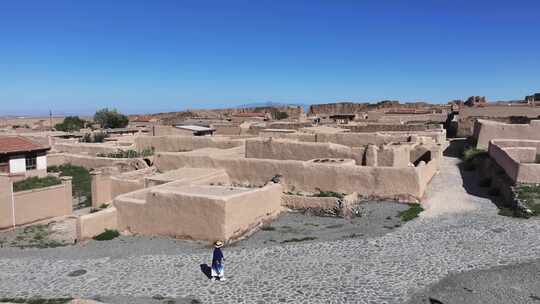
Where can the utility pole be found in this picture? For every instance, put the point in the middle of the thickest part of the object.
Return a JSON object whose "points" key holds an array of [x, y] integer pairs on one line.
{"points": [[50, 120]]}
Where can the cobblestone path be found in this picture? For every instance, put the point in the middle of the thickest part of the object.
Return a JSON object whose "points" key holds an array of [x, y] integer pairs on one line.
{"points": [[450, 237]]}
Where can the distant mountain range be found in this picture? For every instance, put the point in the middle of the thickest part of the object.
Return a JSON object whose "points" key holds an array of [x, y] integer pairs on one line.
{"points": [[272, 104]]}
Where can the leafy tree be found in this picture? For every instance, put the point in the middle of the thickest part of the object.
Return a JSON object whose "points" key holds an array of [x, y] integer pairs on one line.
{"points": [[110, 119], [96, 137], [70, 124], [280, 115]]}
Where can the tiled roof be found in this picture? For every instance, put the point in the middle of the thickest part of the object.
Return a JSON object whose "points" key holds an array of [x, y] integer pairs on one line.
{"points": [[13, 144]]}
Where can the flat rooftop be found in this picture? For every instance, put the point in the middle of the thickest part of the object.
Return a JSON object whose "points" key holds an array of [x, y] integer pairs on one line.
{"points": [[202, 190]]}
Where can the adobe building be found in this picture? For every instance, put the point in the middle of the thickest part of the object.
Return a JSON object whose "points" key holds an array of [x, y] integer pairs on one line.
{"points": [[487, 130], [23, 157], [518, 158]]}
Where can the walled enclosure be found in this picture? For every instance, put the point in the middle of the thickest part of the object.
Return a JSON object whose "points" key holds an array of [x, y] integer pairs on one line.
{"points": [[199, 212], [517, 158], [485, 130], [294, 150], [92, 162], [33, 205], [388, 155], [85, 148], [357, 139], [184, 143], [468, 115], [105, 187], [387, 182]]}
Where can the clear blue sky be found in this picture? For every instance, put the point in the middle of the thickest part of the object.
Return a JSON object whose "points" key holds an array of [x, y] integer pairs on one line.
{"points": [[159, 55]]}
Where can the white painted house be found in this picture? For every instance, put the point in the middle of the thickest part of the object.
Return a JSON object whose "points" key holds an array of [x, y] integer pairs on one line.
{"points": [[21, 156]]}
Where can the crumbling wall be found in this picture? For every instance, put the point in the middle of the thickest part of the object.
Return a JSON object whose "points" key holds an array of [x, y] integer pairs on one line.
{"points": [[294, 150], [468, 115], [405, 118], [184, 143], [90, 225], [393, 155], [91, 162], [485, 130], [303, 176], [85, 148], [517, 158], [159, 130], [55, 159], [227, 129], [386, 127]]}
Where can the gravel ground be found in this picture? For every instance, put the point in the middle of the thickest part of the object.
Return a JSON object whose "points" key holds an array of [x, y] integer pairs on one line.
{"points": [[45, 235], [517, 284], [380, 268], [377, 218]]}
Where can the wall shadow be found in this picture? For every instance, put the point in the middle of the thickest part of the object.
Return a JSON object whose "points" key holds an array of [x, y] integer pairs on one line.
{"points": [[455, 147], [471, 183]]}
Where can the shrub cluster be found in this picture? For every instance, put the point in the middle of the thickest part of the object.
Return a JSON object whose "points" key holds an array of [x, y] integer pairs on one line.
{"points": [[328, 194], [35, 183], [411, 213], [128, 153], [71, 124], [108, 235]]}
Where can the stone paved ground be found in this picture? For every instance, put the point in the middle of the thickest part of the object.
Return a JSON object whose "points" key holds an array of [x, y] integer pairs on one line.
{"points": [[384, 269], [513, 284]]}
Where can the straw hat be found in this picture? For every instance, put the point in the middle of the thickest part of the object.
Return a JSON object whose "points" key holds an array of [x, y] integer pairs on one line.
{"points": [[218, 244]]}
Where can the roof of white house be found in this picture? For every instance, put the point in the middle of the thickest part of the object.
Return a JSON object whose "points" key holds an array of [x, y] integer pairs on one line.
{"points": [[195, 128]]}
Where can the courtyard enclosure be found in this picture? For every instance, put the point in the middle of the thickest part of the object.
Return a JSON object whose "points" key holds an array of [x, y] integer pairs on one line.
{"points": [[91, 149], [24, 207], [183, 143], [485, 130], [92, 162], [518, 158], [201, 212], [388, 182]]}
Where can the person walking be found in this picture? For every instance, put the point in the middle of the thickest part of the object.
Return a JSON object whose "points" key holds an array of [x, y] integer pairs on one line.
{"points": [[217, 262]]}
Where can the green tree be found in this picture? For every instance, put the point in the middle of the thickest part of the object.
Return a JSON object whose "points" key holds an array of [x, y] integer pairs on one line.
{"points": [[110, 119], [70, 124], [280, 115]]}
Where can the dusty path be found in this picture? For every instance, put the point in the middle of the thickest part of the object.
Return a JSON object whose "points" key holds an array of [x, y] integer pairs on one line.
{"points": [[446, 193], [458, 232]]}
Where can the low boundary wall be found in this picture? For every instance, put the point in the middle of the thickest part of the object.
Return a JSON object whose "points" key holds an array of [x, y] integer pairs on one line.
{"points": [[93, 162], [29, 206], [85, 148], [294, 150], [90, 225], [184, 143]]}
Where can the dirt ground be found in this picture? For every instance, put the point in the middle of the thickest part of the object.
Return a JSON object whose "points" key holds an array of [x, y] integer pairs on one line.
{"points": [[375, 219], [42, 235]]}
